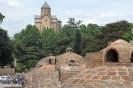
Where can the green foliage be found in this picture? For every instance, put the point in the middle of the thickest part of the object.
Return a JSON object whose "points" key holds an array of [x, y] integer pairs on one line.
{"points": [[77, 42], [128, 34], [17, 69], [30, 45], [31, 63], [65, 38], [1, 18], [27, 45], [114, 31], [89, 35], [48, 41], [20, 69], [6, 48]]}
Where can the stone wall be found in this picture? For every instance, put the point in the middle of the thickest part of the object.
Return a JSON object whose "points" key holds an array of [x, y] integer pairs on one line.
{"points": [[43, 77], [68, 72], [94, 59], [5, 71], [47, 68]]}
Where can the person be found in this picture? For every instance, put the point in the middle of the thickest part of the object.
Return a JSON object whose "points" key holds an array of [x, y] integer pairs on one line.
{"points": [[13, 81], [22, 83], [18, 80], [8, 79]]}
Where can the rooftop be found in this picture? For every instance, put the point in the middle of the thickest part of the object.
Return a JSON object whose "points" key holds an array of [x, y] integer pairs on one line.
{"points": [[45, 5], [102, 77]]}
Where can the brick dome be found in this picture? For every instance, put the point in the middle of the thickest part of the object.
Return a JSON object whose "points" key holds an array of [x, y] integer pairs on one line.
{"points": [[50, 60], [120, 52], [67, 57]]}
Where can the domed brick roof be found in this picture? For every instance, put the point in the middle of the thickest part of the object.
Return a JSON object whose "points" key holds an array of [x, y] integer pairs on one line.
{"points": [[65, 58], [44, 61], [101, 77], [120, 50]]}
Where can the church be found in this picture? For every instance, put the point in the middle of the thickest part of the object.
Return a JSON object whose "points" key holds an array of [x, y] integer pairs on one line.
{"points": [[45, 20]]}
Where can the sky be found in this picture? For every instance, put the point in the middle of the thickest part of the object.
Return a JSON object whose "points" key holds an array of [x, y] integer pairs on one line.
{"points": [[20, 13]]}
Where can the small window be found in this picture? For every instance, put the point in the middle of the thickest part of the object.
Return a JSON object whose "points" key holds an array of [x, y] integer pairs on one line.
{"points": [[45, 20], [45, 11], [49, 61]]}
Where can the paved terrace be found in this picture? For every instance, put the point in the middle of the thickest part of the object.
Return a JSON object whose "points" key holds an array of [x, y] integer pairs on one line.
{"points": [[102, 77]]}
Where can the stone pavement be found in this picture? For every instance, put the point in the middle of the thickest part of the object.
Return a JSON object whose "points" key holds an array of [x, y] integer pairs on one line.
{"points": [[102, 77]]}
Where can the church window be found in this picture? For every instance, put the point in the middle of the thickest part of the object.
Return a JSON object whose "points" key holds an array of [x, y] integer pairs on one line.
{"points": [[45, 11], [45, 20]]}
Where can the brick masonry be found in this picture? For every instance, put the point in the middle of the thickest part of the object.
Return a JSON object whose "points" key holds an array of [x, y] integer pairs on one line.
{"points": [[94, 59], [98, 72]]}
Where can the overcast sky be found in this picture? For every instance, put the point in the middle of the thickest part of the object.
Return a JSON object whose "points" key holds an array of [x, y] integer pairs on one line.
{"points": [[19, 13]]}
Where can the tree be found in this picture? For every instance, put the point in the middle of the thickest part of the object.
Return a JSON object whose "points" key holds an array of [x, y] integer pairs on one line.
{"points": [[27, 45], [89, 35], [73, 23], [114, 31], [128, 34], [6, 48], [48, 40], [66, 38], [77, 42], [1, 18]]}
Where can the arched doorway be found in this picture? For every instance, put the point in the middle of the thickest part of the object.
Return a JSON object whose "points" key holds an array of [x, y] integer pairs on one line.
{"points": [[131, 58], [112, 56]]}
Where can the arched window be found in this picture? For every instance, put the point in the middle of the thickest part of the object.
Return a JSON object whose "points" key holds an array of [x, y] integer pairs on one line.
{"points": [[112, 56], [72, 61]]}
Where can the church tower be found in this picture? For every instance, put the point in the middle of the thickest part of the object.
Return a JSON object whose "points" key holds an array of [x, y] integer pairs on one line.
{"points": [[45, 10], [45, 20]]}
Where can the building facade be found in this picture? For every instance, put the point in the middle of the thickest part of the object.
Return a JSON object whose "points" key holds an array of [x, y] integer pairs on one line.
{"points": [[45, 20]]}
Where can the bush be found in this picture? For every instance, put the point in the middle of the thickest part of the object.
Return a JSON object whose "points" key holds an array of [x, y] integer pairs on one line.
{"points": [[20, 69]]}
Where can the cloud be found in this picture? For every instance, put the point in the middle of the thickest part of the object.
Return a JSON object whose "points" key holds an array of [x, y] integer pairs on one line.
{"points": [[12, 3], [72, 13], [87, 21], [19, 13], [108, 15], [89, 14]]}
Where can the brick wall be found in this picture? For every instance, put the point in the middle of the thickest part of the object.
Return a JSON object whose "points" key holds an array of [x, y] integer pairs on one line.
{"points": [[5, 71], [94, 59], [47, 68], [67, 73]]}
